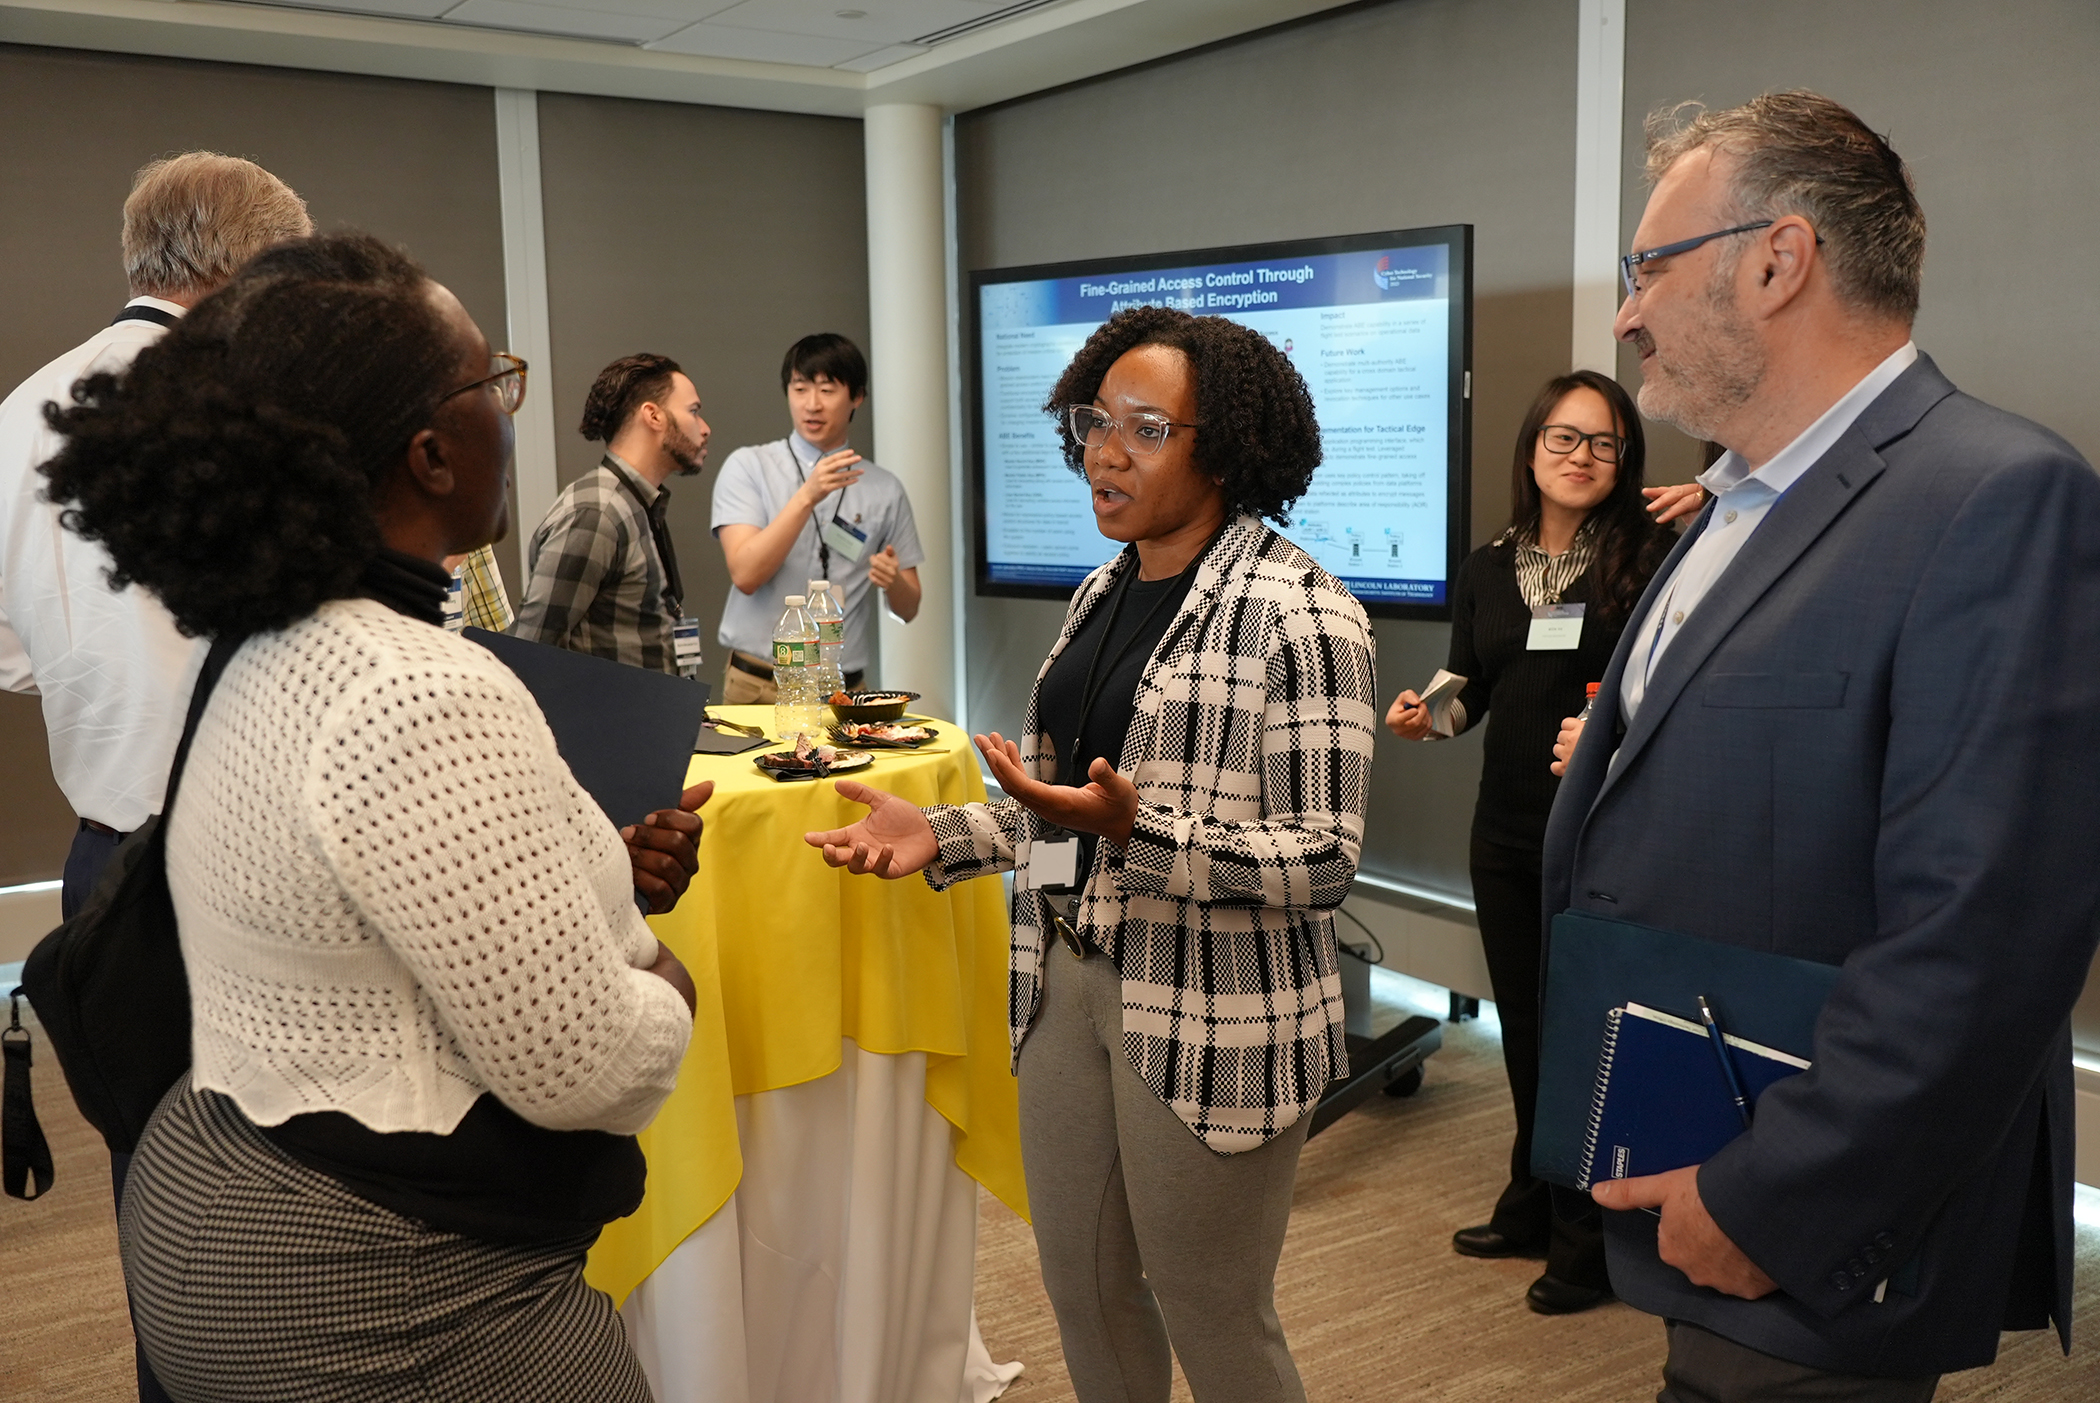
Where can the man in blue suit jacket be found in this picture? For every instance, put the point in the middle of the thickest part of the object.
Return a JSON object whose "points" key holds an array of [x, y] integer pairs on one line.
{"points": [[1855, 720]]}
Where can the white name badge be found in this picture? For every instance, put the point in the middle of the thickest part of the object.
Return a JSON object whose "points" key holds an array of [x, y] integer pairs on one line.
{"points": [[1053, 863], [844, 537], [1554, 628], [685, 641]]}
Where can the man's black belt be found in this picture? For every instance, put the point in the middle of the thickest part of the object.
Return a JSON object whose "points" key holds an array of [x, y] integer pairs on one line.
{"points": [[765, 670]]}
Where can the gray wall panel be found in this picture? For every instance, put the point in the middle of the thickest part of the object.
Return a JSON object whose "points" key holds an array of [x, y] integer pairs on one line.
{"points": [[1391, 116], [713, 236], [411, 162]]}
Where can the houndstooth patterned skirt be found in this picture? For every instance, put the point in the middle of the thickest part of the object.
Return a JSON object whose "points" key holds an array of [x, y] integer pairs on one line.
{"points": [[254, 1277]]}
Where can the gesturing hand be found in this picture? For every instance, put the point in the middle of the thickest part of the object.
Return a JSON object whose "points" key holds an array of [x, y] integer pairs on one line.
{"points": [[1106, 808], [1669, 503], [664, 849], [883, 568], [894, 840], [1689, 1239], [831, 472]]}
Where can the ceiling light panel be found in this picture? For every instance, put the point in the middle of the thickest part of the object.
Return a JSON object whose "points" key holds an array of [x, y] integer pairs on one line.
{"points": [[879, 22], [766, 46], [630, 22], [396, 9]]}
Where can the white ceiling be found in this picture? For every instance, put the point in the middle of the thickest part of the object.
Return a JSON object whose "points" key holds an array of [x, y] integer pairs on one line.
{"points": [[832, 57], [858, 35]]}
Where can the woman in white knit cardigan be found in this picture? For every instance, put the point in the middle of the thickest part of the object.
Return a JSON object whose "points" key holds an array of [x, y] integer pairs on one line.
{"points": [[428, 1014]]}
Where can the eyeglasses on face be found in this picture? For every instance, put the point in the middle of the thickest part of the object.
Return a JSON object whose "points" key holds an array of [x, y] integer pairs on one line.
{"points": [[1563, 438], [505, 380], [1144, 433], [1630, 266]]}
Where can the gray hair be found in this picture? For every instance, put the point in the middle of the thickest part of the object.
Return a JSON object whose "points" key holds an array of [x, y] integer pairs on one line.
{"points": [[192, 220], [1800, 153]]}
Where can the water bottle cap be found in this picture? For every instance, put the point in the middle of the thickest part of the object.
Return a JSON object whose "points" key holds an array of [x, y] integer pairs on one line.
{"points": [[796, 601], [819, 586], [1591, 690]]}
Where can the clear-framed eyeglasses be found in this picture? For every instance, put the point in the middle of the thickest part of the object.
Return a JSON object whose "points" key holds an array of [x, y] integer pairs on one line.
{"points": [[1564, 438], [1144, 432], [505, 380]]}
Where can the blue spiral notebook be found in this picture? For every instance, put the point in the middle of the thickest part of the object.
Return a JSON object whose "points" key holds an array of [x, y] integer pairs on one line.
{"points": [[1595, 964], [1662, 1100]]}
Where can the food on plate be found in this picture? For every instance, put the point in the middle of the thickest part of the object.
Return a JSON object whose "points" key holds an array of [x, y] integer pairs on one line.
{"points": [[883, 733], [809, 759]]}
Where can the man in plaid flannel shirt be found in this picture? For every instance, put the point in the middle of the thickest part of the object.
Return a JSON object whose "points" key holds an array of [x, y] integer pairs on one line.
{"points": [[603, 574]]}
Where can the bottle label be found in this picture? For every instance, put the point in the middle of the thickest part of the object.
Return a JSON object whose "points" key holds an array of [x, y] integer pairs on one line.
{"points": [[790, 653], [831, 631]]}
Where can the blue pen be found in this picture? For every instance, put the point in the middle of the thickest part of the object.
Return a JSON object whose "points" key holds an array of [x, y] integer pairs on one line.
{"points": [[1735, 1083]]}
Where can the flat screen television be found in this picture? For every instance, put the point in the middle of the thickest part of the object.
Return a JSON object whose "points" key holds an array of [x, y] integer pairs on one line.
{"points": [[1381, 327]]}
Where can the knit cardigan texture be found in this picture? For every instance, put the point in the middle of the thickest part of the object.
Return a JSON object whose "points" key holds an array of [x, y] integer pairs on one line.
{"points": [[393, 896]]}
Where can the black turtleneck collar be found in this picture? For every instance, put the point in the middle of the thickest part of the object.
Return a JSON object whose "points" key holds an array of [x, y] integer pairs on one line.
{"points": [[406, 584]]}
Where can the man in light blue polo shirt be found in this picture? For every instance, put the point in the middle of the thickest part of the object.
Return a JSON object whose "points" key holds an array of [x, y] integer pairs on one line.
{"points": [[805, 508]]}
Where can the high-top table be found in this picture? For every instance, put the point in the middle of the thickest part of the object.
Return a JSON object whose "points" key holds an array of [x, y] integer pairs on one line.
{"points": [[810, 1227]]}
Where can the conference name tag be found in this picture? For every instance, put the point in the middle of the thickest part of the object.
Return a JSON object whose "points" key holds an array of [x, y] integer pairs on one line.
{"points": [[1053, 863], [1554, 628], [844, 537], [685, 641]]}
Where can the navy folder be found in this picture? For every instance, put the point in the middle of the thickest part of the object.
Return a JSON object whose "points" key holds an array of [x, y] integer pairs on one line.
{"points": [[626, 732], [1595, 964], [1662, 1101]]}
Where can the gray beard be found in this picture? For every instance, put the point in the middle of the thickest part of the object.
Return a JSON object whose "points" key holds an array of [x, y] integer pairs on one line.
{"points": [[1708, 376]]}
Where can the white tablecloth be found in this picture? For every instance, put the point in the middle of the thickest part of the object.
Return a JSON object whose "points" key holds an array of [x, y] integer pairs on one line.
{"points": [[842, 1269]]}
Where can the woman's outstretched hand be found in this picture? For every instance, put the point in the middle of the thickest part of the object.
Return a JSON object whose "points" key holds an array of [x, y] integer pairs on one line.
{"points": [[894, 840], [1105, 808]]}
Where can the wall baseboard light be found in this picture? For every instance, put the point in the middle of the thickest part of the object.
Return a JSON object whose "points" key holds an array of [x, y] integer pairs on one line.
{"points": [[28, 911], [1449, 900]]}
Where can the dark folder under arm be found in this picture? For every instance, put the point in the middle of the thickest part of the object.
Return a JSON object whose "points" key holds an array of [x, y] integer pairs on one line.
{"points": [[626, 732], [1595, 964]]}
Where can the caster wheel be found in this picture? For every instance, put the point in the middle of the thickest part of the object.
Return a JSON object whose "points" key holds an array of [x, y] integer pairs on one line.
{"points": [[1406, 1084]]}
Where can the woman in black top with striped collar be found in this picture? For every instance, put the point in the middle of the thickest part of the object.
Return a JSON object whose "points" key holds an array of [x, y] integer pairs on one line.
{"points": [[1579, 536]]}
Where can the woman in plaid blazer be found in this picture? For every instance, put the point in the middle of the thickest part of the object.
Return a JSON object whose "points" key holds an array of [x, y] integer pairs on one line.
{"points": [[1213, 691]]}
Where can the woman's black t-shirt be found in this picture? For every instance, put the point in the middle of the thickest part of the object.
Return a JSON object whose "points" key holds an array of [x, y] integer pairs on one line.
{"points": [[1147, 612]]}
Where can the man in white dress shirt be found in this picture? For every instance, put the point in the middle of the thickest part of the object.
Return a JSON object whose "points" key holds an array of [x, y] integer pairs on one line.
{"points": [[114, 674]]}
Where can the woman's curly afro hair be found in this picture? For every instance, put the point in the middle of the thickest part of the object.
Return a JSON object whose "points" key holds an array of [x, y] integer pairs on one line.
{"points": [[1257, 430], [230, 470]]}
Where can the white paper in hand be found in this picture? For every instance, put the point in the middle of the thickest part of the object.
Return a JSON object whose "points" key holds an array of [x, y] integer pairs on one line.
{"points": [[1443, 689]]}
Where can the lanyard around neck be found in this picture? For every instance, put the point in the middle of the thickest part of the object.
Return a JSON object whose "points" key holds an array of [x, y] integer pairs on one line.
{"points": [[801, 475]]}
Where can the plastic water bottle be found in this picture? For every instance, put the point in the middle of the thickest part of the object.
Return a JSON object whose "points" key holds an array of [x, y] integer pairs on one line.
{"points": [[1589, 705], [831, 639], [795, 710]]}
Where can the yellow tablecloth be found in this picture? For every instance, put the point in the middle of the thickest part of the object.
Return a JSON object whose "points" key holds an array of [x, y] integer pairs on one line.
{"points": [[789, 955]]}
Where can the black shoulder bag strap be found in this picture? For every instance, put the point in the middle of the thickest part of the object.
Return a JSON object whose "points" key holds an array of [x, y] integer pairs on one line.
{"points": [[23, 1149], [109, 987]]}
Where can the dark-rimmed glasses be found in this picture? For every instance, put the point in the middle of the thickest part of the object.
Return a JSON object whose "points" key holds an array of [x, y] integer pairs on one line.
{"points": [[1144, 433], [506, 380], [1564, 438], [1631, 264]]}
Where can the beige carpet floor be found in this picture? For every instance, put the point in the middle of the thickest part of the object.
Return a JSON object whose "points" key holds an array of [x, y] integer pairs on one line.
{"points": [[1377, 1306]]}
